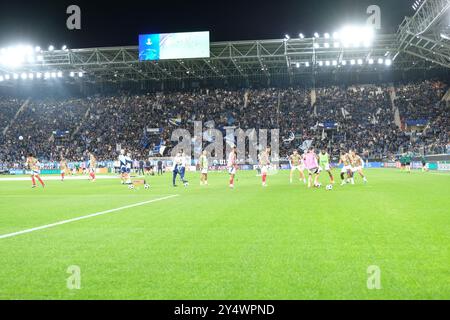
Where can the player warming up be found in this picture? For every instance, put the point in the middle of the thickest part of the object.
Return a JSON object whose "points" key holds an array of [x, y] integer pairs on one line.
{"points": [[92, 166], [179, 169], [264, 163], [358, 166], [324, 162], [347, 168], [203, 162], [125, 167], [312, 165], [63, 167], [296, 163], [232, 166], [33, 165]]}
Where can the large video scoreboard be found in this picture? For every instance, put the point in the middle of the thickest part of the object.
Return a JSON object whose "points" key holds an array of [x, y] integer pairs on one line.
{"points": [[184, 45]]}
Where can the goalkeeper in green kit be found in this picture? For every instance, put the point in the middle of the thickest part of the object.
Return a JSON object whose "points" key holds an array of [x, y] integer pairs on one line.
{"points": [[324, 163]]}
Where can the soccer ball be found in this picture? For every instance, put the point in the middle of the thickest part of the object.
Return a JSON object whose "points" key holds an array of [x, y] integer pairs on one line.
{"points": [[318, 185], [146, 186], [131, 187], [329, 187], [20, 138]]}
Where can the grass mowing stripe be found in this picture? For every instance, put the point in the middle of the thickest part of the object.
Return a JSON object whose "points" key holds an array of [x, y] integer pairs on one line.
{"points": [[10, 235]]}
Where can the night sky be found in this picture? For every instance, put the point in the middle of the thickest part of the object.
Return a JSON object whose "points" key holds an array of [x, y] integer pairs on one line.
{"points": [[107, 24]]}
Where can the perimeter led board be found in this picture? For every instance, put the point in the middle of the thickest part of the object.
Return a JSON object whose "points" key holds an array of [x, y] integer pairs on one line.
{"points": [[164, 46]]}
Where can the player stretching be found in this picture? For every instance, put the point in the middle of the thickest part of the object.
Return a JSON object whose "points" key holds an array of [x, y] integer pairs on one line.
{"points": [[203, 162], [125, 162], [358, 165], [179, 168], [296, 163], [232, 165], [92, 166], [33, 165], [313, 168], [264, 163], [63, 167], [347, 168]]}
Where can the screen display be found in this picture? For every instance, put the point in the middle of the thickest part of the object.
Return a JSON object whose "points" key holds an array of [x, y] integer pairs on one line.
{"points": [[184, 45]]}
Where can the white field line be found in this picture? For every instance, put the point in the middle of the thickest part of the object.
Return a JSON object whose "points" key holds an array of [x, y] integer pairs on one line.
{"points": [[10, 235]]}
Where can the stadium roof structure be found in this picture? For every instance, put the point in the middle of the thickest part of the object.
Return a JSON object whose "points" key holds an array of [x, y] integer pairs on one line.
{"points": [[422, 42]]}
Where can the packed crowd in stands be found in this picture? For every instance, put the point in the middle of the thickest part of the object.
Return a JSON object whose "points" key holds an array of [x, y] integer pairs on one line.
{"points": [[360, 117]]}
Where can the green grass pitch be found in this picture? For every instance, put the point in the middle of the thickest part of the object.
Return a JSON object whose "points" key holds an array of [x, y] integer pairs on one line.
{"points": [[279, 242]]}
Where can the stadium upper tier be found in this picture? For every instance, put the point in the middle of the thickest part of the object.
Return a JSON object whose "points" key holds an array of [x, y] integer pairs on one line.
{"points": [[241, 59]]}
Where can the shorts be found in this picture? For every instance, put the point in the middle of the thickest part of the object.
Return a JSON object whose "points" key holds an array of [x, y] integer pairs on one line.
{"points": [[299, 168], [231, 170], [314, 170], [408, 163], [124, 170], [356, 169], [346, 168], [204, 171], [264, 169], [35, 172], [63, 171], [326, 167]]}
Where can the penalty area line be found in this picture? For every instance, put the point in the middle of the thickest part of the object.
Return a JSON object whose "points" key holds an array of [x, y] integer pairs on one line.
{"points": [[47, 226]]}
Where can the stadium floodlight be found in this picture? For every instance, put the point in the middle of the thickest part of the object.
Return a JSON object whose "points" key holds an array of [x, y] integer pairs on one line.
{"points": [[64, 48], [380, 61], [297, 65], [306, 64], [51, 48], [7, 77], [37, 49], [327, 63], [316, 35], [72, 74], [15, 76], [336, 35], [344, 62], [1, 78], [286, 37], [335, 63], [59, 74], [353, 62], [355, 35], [326, 35], [38, 75], [444, 36], [320, 63], [301, 36], [388, 62], [360, 61], [326, 45], [24, 76], [47, 75], [80, 74], [337, 44], [370, 61], [30, 76], [53, 74], [316, 45]]}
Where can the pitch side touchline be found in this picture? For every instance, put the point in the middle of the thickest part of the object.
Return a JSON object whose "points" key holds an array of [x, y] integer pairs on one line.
{"points": [[10, 235]]}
